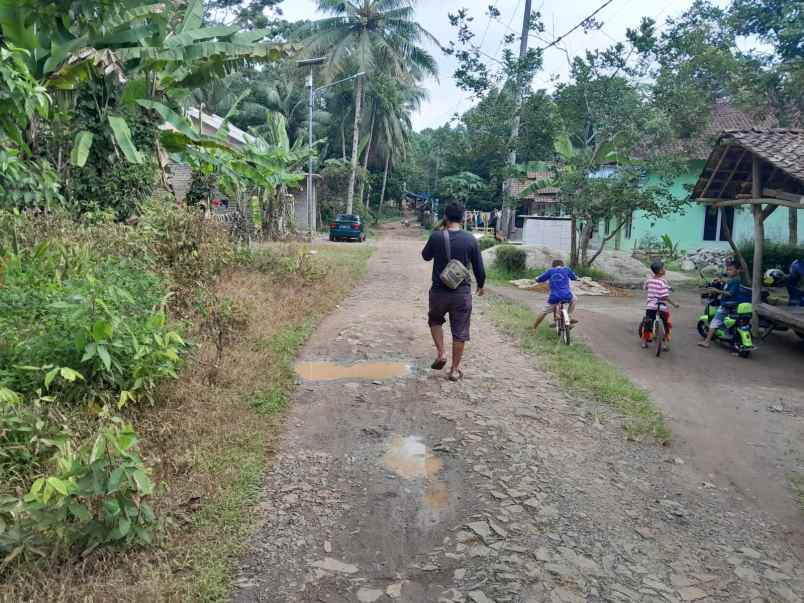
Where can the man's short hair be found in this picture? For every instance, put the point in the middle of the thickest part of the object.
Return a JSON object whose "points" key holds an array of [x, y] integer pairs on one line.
{"points": [[557, 263], [453, 212]]}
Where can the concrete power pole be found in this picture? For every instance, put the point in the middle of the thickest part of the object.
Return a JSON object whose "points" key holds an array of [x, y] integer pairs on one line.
{"points": [[521, 86]]}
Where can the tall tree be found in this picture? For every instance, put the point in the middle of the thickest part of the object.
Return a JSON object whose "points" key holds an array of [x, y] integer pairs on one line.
{"points": [[370, 36]]}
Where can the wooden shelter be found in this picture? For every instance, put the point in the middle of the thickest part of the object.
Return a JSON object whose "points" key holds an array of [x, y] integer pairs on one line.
{"points": [[762, 168]]}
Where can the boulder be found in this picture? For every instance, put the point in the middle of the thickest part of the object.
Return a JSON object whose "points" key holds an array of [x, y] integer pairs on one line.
{"points": [[621, 268]]}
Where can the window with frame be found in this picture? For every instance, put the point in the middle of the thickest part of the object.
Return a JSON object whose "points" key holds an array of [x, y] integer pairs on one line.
{"points": [[716, 221]]}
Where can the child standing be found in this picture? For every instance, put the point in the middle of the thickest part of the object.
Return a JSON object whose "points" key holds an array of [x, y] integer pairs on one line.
{"points": [[559, 277], [657, 291]]}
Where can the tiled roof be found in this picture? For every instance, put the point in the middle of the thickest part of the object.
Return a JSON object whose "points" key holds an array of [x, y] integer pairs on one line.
{"points": [[782, 148], [724, 116]]}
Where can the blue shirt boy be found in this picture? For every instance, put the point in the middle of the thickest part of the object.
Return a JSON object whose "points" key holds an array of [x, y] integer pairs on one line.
{"points": [[559, 279]]}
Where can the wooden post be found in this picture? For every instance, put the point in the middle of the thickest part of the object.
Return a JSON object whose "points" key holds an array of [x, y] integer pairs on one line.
{"points": [[792, 222], [759, 243]]}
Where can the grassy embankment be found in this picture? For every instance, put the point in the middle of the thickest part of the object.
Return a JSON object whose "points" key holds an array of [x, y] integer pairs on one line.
{"points": [[210, 438], [579, 370]]}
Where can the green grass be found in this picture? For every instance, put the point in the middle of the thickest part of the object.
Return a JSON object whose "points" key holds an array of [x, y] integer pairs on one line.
{"points": [[283, 348], [579, 370], [796, 481]]}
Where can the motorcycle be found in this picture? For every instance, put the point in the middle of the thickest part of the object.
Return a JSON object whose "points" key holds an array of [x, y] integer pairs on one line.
{"points": [[736, 329]]}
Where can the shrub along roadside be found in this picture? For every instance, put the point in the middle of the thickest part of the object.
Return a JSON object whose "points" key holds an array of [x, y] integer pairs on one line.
{"points": [[775, 255], [580, 370], [211, 436]]}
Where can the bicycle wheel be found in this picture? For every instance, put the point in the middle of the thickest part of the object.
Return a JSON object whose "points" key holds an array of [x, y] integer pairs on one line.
{"points": [[658, 334], [565, 321], [557, 321]]}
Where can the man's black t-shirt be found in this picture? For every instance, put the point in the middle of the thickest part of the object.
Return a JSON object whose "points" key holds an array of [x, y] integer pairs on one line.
{"points": [[463, 248]]}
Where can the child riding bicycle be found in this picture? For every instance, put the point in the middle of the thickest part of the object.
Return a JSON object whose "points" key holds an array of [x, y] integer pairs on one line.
{"points": [[558, 277], [658, 294]]}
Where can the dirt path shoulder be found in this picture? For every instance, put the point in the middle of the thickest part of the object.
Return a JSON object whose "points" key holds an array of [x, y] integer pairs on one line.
{"points": [[739, 421], [498, 488]]}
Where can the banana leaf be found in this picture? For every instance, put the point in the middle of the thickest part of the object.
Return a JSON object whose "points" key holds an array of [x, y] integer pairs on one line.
{"points": [[81, 148], [122, 136]]}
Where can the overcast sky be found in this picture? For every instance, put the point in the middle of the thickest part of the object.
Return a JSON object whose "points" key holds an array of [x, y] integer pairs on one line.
{"points": [[558, 16]]}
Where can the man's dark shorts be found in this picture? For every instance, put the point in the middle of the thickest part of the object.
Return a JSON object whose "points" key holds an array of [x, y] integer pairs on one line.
{"points": [[458, 304]]}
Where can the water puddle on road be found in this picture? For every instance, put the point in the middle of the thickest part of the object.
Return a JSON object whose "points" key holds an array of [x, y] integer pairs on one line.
{"points": [[436, 498], [408, 457], [332, 371]]}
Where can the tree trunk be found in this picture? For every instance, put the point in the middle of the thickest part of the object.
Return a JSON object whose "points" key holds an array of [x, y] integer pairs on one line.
{"points": [[574, 243], [603, 243], [743, 264], [350, 195], [586, 239], [521, 84], [759, 244], [384, 182], [343, 138], [366, 159], [792, 221]]}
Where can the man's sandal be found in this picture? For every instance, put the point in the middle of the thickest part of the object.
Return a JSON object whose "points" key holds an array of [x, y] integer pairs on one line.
{"points": [[439, 364], [453, 377]]}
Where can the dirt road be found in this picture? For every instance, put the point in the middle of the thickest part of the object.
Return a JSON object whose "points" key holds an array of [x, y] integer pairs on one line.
{"points": [[497, 488], [739, 421]]}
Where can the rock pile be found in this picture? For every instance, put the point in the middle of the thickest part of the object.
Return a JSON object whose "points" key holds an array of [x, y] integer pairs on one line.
{"points": [[583, 286], [703, 258]]}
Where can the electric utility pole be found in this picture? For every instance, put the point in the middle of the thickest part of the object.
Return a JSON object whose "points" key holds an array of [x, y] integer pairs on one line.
{"points": [[521, 84]]}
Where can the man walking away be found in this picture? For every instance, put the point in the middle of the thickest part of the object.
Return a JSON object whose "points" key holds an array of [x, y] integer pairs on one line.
{"points": [[452, 243]]}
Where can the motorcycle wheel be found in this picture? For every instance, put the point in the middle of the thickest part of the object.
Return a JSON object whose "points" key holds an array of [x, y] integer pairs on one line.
{"points": [[703, 329], [744, 353]]}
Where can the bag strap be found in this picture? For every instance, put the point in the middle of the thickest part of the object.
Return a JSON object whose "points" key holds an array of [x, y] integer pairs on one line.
{"points": [[446, 245]]}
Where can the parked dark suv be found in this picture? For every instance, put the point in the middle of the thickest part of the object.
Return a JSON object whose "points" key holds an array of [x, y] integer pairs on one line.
{"points": [[347, 226]]}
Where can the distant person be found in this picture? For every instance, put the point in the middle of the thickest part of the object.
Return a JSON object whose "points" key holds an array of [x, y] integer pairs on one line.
{"points": [[452, 243], [657, 290], [730, 295], [794, 283], [558, 277]]}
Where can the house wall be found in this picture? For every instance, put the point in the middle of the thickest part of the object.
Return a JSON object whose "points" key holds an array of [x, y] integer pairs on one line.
{"points": [[687, 226]]}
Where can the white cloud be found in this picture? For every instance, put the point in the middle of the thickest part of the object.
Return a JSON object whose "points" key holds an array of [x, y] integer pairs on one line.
{"points": [[558, 16]]}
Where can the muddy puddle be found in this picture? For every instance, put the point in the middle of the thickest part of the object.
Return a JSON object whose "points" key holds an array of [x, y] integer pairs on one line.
{"points": [[332, 371], [408, 457]]}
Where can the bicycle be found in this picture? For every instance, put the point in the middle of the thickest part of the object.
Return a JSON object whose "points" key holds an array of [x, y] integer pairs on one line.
{"points": [[563, 324], [659, 329]]}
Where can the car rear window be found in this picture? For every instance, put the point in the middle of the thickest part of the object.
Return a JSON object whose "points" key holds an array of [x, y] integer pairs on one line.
{"points": [[347, 218]]}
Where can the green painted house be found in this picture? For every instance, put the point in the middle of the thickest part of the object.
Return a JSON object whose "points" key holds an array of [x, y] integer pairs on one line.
{"points": [[700, 226]]}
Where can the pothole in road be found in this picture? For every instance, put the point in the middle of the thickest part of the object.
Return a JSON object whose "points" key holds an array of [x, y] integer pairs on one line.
{"points": [[332, 371], [410, 458]]}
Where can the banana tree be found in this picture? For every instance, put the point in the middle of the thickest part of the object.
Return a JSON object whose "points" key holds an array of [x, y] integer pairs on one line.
{"points": [[157, 51], [264, 167]]}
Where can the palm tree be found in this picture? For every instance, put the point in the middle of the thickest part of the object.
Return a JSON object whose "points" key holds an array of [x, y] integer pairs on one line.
{"points": [[395, 126], [373, 36]]}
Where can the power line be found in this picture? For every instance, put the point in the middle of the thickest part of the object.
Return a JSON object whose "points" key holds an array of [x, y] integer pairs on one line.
{"points": [[561, 37]]}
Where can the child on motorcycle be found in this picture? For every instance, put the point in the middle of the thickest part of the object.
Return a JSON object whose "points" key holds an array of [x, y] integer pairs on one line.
{"points": [[657, 291], [731, 292], [559, 277]]}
